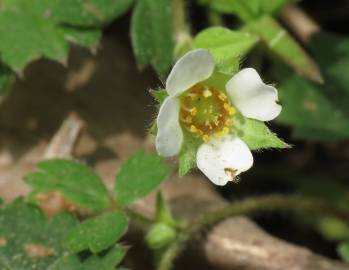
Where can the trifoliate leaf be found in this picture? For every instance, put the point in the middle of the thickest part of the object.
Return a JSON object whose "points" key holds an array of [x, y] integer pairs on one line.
{"points": [[77, 182], [279, 42], [40, 28], [97, 234], [155, 45], [138, 176], [226, 46], [256, 134], [28, 240]]}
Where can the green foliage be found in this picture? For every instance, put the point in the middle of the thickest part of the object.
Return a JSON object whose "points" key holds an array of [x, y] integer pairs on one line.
{"points": [[104, 261], [97, 234], [226, 46], [187, 155], [138, 176], [160, 235], [343, 251], [159, 95], [280, 43], [153, 46], [318, 112], [256, 134], [75, 181], [28, 240], [247, 10], [87, 13]]}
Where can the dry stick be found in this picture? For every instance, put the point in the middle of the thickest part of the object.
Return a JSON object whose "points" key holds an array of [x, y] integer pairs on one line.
{"points": [[63, 143], [299, 22], [248, 206]]}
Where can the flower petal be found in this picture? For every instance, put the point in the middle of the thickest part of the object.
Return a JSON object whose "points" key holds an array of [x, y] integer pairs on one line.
{"points": [[169, 137], [223, 159], [195, 66], [252, 97]]}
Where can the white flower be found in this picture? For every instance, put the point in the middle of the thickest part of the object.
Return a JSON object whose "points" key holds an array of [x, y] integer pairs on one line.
{"points": [[200, 108]]}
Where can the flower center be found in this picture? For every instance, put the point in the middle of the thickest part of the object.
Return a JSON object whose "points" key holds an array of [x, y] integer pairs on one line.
{"points": [[206, 111]]}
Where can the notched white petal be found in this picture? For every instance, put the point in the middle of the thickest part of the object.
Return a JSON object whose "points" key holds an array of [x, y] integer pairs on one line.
{"points": [[169, 137], [195, 66], [223, 159], [253, 98]]}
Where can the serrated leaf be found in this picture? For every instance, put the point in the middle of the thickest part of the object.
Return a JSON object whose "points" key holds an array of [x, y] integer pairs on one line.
{"points": [[248, 10], [138, 176], [279, 42], [28, 240], [155, 45], [98, 233], [256, 134], [103, 261], [37, 24], [226, 46], [77, 182], [88, 13]]}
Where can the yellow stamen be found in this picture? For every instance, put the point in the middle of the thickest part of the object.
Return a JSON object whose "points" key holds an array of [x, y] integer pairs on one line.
{"points": [[207, 93], [222, 97], [229, 109], [206, 138], [187, 119], [194, 111], [193, 129], [229, 122], [225, 131]]}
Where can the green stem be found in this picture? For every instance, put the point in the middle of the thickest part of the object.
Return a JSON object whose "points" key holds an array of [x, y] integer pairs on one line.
{"points": [[181, 28], [247, 206]]}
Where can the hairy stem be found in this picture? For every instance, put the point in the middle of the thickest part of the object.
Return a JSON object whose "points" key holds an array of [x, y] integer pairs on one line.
{"points": [[247, 206]]}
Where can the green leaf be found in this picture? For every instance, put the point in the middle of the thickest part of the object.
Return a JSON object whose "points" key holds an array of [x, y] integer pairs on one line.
{"points": [[28, 240], [248, 10], [138, 176], [279, 42], [155, 45], [311, 110], [318, 112], [343, 251], [6, 78], [97, 234], [88, 13], [227, 46], [77, 182], [38, 25], [256, 134], [102, 261]]}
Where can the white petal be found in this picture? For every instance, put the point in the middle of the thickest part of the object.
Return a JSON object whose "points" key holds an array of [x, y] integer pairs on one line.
{"points": [[252, 97], [195, 66], [169, 137], [223, 159]]}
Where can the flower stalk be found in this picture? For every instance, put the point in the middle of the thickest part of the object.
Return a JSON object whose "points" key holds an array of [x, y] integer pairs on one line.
{"points": [[245, 207]]}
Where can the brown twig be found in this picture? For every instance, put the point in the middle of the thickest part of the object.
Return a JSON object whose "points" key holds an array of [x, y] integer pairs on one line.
{"points": [[300, 24]]}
